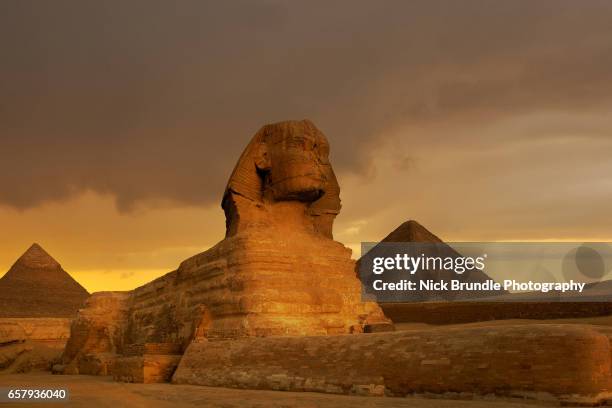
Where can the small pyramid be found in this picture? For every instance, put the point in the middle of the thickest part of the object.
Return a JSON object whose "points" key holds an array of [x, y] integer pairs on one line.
{"points": [[37, 286]]}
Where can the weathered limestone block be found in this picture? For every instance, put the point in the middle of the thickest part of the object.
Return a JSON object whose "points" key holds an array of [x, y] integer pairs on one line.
{"points": [[97, 363], [96, 334], [129, 369], [148, 368], [52, 329], [31, 343], [11, 333], [9, 353], [509, 360], [147, 363]]}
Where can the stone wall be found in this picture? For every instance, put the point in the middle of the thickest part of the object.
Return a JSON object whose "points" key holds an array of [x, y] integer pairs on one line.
{"points": [[55, 329], [31, 343], [561, 360]]}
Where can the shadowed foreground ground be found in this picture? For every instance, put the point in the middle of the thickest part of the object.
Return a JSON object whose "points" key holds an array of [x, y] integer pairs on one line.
{"points": [[102, 392]]}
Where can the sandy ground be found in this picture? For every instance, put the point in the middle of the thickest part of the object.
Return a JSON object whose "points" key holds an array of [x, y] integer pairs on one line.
{"points": [[102, 392]]}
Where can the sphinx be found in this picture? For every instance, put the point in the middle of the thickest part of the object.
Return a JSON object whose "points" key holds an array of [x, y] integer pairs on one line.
{"points": [[277, 272]]}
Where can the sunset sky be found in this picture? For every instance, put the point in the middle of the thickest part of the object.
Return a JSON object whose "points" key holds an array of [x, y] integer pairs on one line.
{"points": [[120, 121]]}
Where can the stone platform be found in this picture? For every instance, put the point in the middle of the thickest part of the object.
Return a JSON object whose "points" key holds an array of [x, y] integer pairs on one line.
{"points": [[570, 363]]}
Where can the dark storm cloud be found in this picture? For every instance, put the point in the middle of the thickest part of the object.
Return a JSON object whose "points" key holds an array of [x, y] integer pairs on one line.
{"points": [[154, 100]]}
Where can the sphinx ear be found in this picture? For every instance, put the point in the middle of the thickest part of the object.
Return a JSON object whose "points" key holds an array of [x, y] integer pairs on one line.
{"points": [[262, 159]]}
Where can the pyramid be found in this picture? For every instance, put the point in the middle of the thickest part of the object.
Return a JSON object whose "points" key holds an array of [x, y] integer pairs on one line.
{"points": [[413, 232], [37, 286]]}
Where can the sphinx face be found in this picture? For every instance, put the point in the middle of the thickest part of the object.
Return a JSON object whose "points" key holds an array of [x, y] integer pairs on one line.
{"points": [[284, 162], [295, 166]]}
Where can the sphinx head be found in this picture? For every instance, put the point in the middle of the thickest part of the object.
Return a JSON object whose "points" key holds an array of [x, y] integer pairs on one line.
{"points": [[284, 162]]}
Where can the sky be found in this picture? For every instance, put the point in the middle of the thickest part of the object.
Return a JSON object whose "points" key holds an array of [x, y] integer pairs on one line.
{"points": [[120, 121]]}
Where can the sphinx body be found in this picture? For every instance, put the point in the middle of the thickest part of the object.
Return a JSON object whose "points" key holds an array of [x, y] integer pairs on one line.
{"points": [[278, 272]]}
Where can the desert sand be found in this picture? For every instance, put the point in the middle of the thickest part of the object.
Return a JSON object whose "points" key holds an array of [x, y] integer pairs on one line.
{"points": [[101, 392]]}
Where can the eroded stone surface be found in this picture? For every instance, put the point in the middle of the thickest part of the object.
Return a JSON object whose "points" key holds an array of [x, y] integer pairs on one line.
{"points": [[560, 360], [286, 162], [148, 368], [96, 334], [11, 332], [37, 328], [31, 343]]}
